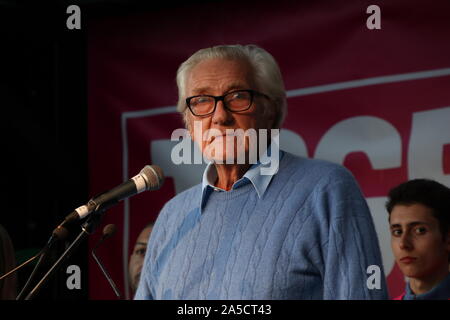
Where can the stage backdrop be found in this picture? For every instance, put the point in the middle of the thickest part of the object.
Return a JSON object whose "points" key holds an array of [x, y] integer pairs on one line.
{"points": [[375, 101]]}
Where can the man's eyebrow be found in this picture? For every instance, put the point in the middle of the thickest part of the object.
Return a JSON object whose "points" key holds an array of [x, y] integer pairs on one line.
{"points": [[202, 90], [230, 87], [236, 86], [141, 243], [411, 224]]}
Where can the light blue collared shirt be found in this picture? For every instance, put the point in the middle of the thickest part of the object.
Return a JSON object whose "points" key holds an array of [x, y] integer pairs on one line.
{"points": [[260, 181]]}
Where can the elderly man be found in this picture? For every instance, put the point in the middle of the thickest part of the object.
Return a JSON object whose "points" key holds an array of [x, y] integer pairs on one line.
{"points": [[302, 232]]}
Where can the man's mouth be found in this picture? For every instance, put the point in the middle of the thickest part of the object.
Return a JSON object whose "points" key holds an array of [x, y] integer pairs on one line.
{"points": [[408, 260], [221, 136]]}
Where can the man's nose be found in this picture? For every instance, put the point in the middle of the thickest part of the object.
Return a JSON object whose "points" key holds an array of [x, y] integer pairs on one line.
{"points": [[405, 242], [222, 116]]}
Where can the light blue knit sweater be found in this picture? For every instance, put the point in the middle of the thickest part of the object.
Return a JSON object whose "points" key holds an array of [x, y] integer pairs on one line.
{"points": [[310, 236]]}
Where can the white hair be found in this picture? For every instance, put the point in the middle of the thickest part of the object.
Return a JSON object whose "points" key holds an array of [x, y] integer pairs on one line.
{"points": [[266, 73]]}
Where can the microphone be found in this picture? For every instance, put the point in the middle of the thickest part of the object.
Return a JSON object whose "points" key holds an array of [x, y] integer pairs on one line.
{"points": [[108, 231], [151, 177]]}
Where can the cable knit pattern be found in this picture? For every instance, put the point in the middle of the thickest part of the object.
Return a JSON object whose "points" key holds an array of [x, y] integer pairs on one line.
{"points": [[310, 236]]}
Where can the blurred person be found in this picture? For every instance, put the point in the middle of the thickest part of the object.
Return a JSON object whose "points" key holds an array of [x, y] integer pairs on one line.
{"points": [[8, 286], [280, 227], [137, 257], [419, 218]]}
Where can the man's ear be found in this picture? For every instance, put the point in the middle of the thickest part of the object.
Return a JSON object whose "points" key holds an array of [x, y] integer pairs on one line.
{"points": [[447, 240], [270, 114]]}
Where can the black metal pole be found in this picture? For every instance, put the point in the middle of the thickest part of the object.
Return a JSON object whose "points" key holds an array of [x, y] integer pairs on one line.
{"points": [[87, 228], [107, 276]]}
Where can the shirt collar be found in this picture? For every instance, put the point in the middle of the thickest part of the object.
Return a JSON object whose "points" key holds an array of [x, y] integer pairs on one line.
{"points": [[256, 175], [441, 291]]}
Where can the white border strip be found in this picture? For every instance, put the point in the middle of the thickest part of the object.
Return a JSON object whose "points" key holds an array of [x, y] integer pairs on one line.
{"points": [[290, 94], [368, 82], [126, 216]]}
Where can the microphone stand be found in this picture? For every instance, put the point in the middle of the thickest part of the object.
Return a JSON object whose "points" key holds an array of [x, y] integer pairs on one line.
{"points": [[106, 273], [86, 229], [43, 255], [22, 265], [59, 233]]}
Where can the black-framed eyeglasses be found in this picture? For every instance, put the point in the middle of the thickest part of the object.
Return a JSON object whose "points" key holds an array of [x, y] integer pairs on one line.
{"points": [[234, 101]]}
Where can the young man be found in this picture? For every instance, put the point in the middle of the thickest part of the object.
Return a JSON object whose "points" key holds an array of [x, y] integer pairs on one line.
{"points": [[137, 257], [419, 212]]}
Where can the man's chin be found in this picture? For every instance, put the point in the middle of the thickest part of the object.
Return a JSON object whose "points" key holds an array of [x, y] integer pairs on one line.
{"points": [[136, 280], [227, 157]]}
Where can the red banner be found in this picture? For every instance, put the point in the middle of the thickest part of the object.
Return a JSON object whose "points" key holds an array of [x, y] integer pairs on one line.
{"points": [[375, 100]]}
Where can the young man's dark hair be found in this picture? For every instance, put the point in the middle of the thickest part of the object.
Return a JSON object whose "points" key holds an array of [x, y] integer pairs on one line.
{"points": [[429, 193]]}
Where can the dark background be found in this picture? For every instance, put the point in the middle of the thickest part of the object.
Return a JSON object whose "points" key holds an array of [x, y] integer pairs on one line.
{"points": [[44, 138], [43, 94]]}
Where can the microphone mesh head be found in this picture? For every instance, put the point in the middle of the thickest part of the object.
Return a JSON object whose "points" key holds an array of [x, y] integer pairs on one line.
{"points": [[61, 233], [109, 230], [154, 176]]}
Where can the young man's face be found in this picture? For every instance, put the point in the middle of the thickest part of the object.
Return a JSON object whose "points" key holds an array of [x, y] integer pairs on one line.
{"points": [[137, 257], [418, 245]]}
